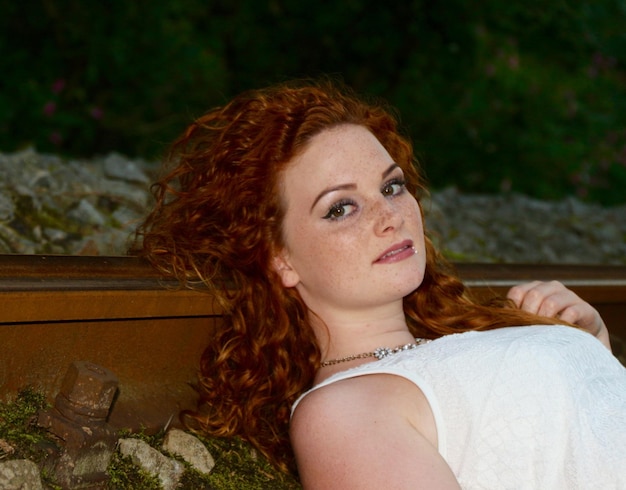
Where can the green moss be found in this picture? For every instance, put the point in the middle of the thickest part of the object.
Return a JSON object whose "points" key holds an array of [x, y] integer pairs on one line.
{"points": [[20, 437], [237, 466], [155, 440], [124, 475], [195, 480], [31, 216], [49, 481]]}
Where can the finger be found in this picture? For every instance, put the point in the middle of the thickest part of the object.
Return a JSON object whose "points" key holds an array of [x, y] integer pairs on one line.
{"points": [[547, 299], [553, 304], [583, 315], [518, 292], [531, 296], [572, 314], [553, 299]]}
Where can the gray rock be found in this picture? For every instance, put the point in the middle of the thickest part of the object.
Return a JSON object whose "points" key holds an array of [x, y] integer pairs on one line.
{"points": [[189, 448], [15, 242], [515, 228], [86, 213], [95, 205], [7, 208], [118, 167], [106, 242], [127, 218], [122, 192], [167, 470], [19, 474], [54, 235]]}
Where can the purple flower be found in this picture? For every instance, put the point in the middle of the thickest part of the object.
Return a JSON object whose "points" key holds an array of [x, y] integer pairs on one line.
{"points": [[96, 112], [56, 138], [513, 62], [58, 86], [50, 108]]}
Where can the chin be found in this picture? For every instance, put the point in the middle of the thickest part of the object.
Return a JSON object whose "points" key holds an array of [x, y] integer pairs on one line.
{"points": [[414, 284], [408, 287]]}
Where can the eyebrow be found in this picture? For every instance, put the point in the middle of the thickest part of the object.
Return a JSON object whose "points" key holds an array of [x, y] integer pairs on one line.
{"points": [[340, 187]]}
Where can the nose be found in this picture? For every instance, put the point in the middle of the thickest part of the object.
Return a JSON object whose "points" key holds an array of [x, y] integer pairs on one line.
{"points": [[387, 217]]}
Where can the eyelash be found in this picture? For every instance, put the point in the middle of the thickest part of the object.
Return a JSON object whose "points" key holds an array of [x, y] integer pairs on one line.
{"points": [[401, 183], [340, 205]]}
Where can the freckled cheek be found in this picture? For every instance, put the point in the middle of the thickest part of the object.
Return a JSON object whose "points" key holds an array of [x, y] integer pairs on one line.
{"points": [[413, 211], [329, 252]]}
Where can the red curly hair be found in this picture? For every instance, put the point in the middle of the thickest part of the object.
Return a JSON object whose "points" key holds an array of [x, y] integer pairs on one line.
{"points": [[217, 222]]}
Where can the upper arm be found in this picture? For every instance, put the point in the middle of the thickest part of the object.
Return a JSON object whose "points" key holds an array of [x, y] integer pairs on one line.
{"points": [[350, 438]]}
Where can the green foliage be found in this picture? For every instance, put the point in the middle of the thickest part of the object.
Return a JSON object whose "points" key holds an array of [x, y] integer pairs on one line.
{"points": [[89, 77], [237, 466], [528, 96], [124, 475], [20, 437]]}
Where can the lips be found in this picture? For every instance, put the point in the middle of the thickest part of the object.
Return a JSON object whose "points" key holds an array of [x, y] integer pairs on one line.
{"points": [[399, 251]]}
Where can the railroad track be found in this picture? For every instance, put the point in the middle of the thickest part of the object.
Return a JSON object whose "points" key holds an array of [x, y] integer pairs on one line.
{"points": [[118, 313]]}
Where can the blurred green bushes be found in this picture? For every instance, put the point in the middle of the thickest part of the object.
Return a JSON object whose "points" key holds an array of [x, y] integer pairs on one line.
{"points": [[527, 96]]}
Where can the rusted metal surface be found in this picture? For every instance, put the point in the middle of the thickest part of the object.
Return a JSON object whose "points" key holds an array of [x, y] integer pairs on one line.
{"points": [[41, 288], [118, 313], [599, 283], [111, 311], [79, 419], [87, 393], [62, 272]]}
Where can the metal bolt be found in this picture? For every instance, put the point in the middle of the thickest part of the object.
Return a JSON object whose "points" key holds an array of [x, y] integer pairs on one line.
{"points": [[88, 391], [78, 419]]}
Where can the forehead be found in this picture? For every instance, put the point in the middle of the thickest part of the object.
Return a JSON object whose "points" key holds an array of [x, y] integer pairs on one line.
{"points": [[347, 155], [340, 151]]}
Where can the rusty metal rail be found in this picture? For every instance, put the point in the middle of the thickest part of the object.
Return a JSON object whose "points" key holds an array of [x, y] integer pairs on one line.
{"points": [[118, 313]]}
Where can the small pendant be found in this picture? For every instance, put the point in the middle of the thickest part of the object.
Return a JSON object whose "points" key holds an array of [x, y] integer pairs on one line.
{"points": [[382, 352]]}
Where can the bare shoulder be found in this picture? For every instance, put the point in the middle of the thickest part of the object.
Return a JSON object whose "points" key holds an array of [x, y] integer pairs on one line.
{"points": [[367, 432], [367, 395]]}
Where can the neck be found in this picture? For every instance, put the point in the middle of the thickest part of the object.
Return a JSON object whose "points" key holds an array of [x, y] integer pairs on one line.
{"points": [[353, 334]]}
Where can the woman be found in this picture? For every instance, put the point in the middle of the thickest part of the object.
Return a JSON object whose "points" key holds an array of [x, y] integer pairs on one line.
{"points": [[298, 205]]}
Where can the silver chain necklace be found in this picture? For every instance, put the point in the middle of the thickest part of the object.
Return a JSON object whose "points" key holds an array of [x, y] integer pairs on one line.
{"points": [[379, 353]]}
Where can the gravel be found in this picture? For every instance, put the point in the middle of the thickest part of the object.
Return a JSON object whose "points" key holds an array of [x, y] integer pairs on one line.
{"points": [[51, 205]]}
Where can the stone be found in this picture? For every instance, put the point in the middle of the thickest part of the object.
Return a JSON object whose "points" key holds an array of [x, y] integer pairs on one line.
{"points": [[7, 207], [87, 214], [118, 167], [15, 242], [19, 474], [55, 235], [167, 470], [92, 201], [78, 418], [189, 448], [125, 193]]}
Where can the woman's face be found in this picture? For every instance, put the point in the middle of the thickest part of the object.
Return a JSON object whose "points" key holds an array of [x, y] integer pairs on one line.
{"points": [[353, 234]]}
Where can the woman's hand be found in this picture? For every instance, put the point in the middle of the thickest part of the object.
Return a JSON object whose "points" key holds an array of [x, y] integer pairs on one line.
{"points": [[553, 300]]}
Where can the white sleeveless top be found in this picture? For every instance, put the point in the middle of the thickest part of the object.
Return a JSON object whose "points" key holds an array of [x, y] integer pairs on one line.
{"points": [[540, 407]]}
